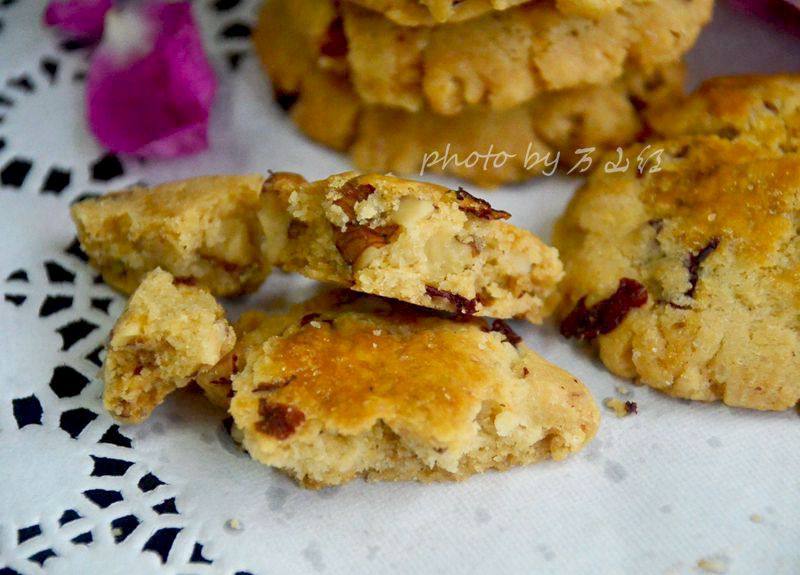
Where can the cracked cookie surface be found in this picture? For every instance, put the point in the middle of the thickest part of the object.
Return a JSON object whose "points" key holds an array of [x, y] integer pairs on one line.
{"points": [[497, 61], [687, 278], [433, 12], [203, 229], [412, 241], [361, 386], [529, 137], [762, 109]]}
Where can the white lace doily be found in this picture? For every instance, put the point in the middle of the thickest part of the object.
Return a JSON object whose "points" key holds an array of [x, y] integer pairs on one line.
{"points": [[654, 493]]}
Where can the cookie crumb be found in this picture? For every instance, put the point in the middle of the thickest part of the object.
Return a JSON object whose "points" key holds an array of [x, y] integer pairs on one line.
{"points": [[621, 408], [756, 518], [233, 524], [713, 566], [622, 390]]}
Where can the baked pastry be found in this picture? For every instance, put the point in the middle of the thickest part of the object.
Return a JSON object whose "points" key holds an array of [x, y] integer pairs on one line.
{"points": [[252, 328], [686, 278], [498, 61], [363, 386], [432, 12], [202, 229], [169, 333], [412, 241], [526, 140], [763, 109]]}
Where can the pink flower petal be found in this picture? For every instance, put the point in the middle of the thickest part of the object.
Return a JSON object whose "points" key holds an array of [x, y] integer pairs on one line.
{"points": [[150, 85], [78, 19]]}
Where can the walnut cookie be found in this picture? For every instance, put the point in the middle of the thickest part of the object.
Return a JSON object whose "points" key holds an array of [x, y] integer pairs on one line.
{"points": [[322, 103], [169, 333], [498, 61], [348, 385], [416, 242], [432, 12], [687, 278], [361, 386]]}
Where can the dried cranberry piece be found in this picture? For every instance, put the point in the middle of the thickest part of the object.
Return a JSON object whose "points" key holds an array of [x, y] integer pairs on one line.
{"points": [[478, 207], [604, 316], [503, 328], [694, 263], [335, 43], [184, 281], [278, 420], [463, 305], [631, 408]]}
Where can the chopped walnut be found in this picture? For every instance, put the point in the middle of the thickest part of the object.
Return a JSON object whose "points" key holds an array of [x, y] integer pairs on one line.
{"points": [[278, 419], [478, 207], [296, 229], [604, 316], [352, 193], [352, 242]]}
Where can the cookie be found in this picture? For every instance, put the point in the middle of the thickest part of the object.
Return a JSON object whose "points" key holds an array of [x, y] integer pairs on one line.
{"points": [[526, 140], [367, 387], [433, 12], [202, 229], [497, 61], [416, 242], [686, 278], [169, 333], [763, 109], [252, 329]]}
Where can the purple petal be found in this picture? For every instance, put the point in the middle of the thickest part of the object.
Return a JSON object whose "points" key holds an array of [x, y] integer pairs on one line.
{"points": [[78, 19], [150, 85]]}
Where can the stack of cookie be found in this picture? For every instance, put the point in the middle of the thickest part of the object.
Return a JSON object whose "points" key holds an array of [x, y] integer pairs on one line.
{"points": [[491, 91]]}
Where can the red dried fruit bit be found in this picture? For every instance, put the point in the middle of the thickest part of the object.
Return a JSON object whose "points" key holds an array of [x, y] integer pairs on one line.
{"points": [[352, 193], [221, 381], [184, 281], [478, 207], [273, 385], [503, 328], [335, 43], [604, 316], [694, 263], [235, 363], [278, 420], [525, 372], [352, 242], [631, 408], [463, 305]]}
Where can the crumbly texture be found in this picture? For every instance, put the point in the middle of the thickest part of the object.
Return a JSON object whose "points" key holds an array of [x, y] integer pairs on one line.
{"points": [[412, 241], [550, 127], [168, 334], [366, 387], [497, 61], [762, 109], [713, 240], [252, 329], [432, 12], [203, 229]]}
